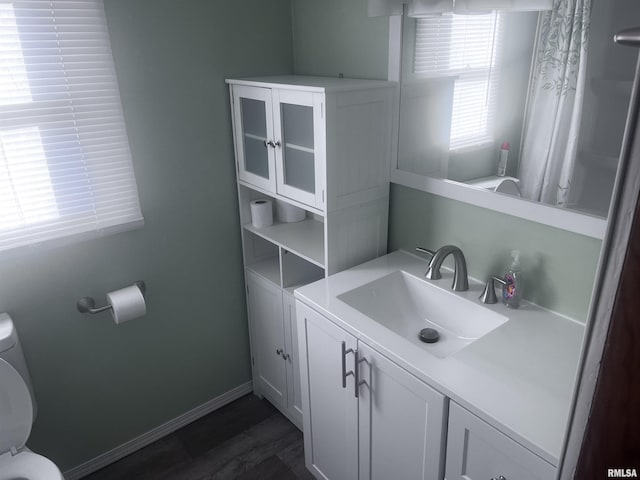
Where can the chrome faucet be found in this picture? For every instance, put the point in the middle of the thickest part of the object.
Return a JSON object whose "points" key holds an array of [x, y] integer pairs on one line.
{"points": [[460, 279], [489, 293]]}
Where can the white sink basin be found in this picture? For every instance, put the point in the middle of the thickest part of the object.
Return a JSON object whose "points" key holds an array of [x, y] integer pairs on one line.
{"points": [[406, 304]]}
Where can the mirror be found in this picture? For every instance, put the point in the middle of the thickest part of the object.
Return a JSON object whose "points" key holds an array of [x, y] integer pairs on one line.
{"points": [[546, 92]]}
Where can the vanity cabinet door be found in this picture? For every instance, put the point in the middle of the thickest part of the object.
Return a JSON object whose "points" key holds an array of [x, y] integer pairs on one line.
{"points": [[253, 135], [331, 409], [477, 451], [402, 421], [268, 340]]}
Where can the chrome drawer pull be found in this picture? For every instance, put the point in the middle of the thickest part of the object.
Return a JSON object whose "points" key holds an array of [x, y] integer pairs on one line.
{"points": [[345, 374]]}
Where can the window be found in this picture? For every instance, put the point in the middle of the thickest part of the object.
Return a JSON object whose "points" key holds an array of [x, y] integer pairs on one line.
{"points": [[466, 47], [65, 164]]}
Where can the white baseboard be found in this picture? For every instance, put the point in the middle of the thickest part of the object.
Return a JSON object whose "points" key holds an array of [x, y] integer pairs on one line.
{"points": [[152, 435]]}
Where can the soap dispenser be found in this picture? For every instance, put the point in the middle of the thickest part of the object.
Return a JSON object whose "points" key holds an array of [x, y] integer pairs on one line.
{"points": [[512, 288]]}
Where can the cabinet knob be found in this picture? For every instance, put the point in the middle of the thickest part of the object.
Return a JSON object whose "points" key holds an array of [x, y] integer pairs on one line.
{"points": [[279, 351], [276, 144], [286, 356], [501, 477]]}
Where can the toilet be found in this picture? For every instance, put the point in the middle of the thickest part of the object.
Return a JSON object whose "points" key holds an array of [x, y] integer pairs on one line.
{"points": [[509, 187], [494, 183], [17, 411]]}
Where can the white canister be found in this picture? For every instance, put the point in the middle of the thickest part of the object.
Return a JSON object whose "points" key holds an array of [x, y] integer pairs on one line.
{"points": [[288, 213], [261, 213]]}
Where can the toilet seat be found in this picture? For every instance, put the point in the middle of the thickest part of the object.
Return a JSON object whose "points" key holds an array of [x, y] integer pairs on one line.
{"points": [[16, 409], [16, 418], [28, 466], [509, 187]]}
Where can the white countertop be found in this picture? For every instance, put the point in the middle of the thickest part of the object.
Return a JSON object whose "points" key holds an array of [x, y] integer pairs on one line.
{"points": [[519, 377]]}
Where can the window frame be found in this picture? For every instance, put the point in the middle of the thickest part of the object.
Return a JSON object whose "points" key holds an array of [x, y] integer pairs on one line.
{"points": [[489, 137], [102, 210]]}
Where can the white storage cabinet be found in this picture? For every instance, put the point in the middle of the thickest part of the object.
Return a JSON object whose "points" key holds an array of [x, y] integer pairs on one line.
{"points": [[321, 142], [323, 145], [275, 347], [365, 418]]}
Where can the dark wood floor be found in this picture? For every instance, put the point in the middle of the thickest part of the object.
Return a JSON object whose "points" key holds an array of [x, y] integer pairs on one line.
{"points": [[247, 439]]}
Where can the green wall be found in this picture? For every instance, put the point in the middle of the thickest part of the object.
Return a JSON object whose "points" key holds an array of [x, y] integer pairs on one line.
{"points": [[99, 385], [336, 36], [558, 266]]}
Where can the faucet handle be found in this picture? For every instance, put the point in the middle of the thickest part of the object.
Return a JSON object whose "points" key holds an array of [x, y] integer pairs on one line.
{"points": [[489, 293], [425, 250]]}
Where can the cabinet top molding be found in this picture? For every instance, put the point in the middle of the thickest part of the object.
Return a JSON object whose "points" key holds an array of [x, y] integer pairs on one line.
{"points": [[311, 84]]}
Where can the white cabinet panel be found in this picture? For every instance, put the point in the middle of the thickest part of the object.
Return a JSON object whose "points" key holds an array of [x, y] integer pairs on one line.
{"points": [[294, 395], [392, 428], [401, 423], [477, 451], [268, 342], [331, 410], [253, 130], [300, 140]]}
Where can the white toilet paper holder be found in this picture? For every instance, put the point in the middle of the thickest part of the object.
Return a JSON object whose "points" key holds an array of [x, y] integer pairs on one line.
{"points": [[88, 304]]}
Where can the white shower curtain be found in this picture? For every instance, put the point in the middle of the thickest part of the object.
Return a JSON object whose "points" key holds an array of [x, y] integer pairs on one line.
{"points": [[550, 143]]}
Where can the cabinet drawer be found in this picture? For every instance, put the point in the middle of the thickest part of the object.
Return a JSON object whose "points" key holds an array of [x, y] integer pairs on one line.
{"points": [[477, 451]]}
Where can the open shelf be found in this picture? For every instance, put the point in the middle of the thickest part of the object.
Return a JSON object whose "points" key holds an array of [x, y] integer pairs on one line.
{"points": [[305, 239], [269, 269], [290, 290], [296, 271]]}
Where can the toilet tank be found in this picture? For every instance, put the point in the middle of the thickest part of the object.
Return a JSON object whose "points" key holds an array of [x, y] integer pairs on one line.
{"points": [[11, 352]]}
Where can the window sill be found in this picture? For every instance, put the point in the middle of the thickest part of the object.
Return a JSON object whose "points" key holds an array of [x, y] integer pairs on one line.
{"points": [[564, 219], [73, 239]]}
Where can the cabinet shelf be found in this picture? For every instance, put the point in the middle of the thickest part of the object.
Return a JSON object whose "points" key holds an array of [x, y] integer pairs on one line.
{"points": [[268, 269], [293, 146], [305, 239], [290, 290], [255, 137]]}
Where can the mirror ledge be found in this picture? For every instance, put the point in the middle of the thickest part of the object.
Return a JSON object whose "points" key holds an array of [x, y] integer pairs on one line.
{"points": [[563, 219]]}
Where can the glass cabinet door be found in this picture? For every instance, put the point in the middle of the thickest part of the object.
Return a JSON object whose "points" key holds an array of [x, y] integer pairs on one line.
{"points": [[300, 146], [254, 136]]}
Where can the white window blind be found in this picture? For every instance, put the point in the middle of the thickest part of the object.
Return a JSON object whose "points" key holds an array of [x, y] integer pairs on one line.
{"points": [[467, 47], [65, 164]]}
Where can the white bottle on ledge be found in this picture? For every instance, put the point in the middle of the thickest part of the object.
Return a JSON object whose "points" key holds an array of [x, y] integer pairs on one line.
{"points": [[504, 157]]}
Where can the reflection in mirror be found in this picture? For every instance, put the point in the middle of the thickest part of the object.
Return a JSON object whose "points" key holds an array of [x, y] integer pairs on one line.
{"points": [[530, 104]]}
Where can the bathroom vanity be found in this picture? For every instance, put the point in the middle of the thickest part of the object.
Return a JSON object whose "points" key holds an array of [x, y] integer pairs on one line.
{"points": [[489, 400]]}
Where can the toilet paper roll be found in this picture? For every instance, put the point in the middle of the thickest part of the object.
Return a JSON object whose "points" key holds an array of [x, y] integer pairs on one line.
{"points": [[261, 213], [288, 213], [126, 304]]}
